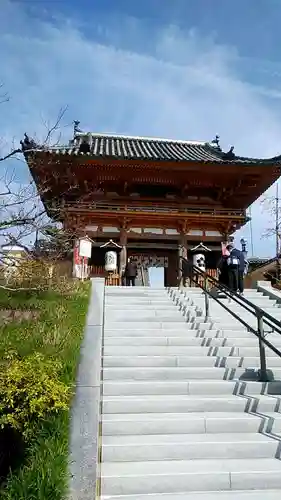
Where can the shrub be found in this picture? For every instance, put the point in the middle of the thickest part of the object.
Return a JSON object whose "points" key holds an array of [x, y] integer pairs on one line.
{"points": [[40, 274], [30, 391], [32, 273]]}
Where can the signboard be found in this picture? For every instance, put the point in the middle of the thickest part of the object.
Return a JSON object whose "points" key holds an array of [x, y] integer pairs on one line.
{"points": [[85, 248]]}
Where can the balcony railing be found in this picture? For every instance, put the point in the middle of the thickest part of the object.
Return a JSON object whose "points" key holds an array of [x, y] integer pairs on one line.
{"points": [[102, 206]]}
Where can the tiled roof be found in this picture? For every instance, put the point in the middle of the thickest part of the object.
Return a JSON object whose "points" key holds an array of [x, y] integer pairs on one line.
{"points": [[141, 148]]}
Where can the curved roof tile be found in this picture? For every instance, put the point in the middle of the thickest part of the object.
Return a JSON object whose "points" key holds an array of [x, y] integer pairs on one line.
{"points": [[140, 148]]}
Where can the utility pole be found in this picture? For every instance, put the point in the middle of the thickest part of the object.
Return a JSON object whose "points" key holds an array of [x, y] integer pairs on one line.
{"points": [[277, 231], [251, 232]]}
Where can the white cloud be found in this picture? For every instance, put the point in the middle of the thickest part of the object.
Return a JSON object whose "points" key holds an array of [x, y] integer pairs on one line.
{"points": [[185, 86]]}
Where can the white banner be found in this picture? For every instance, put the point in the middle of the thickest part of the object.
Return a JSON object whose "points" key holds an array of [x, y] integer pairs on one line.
{"points": [[85, 248]]}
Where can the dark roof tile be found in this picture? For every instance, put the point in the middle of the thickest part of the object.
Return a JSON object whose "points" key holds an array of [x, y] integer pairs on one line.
{"points": [[140, 148]]}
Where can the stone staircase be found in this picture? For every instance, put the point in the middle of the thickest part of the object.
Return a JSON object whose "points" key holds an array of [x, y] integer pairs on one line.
{"points": [[178, 419], [195, 297]]}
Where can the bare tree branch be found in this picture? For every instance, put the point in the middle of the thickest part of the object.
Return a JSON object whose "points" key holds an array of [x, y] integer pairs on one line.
{"points": [[56, 125], [22, 214], [13, 153], [4, 97]]}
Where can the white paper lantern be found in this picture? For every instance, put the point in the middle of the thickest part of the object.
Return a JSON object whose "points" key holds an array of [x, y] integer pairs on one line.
{"points": [[111, 261], [199, 261]]}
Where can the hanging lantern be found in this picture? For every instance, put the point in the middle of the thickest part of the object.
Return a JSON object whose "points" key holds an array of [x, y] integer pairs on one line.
{"points": [[111, 261], [199, 260]]}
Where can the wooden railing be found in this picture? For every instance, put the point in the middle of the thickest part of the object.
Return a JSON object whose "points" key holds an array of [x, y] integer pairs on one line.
{"points": [[111, 279], [210, 272], [114, 279], [97, 271], [151, 207]]}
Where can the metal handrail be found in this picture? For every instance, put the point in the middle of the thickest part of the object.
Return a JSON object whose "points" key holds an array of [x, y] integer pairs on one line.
{"points": [[247, 304], [261, 316]]}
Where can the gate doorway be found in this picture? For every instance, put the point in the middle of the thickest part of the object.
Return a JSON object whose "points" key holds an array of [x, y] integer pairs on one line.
{"points": [[156, 277], [155, 269], [150, 269]]}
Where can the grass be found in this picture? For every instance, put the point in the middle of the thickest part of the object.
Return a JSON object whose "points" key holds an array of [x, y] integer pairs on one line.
{"points": [[43, 473], [22, 300]]}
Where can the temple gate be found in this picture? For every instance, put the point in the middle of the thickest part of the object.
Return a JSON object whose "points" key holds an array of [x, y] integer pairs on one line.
{"points": [[154, 197]]}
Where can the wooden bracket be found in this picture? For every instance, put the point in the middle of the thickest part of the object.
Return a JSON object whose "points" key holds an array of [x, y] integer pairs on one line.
{"points": [[183, 226], [124, 223], [226, 193]]}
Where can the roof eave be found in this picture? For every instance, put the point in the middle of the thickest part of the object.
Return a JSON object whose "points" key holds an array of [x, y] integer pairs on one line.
{"points": [[239, 161]]}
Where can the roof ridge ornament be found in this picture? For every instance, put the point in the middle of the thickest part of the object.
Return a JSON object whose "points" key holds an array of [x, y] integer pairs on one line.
{"points": [[28, 143], [76, 129], [216, 142], [230, 155]]}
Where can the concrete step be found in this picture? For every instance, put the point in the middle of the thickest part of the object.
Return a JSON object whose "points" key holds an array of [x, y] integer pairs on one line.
{"points": [[184, 336], [184, 404], [170, 350], [197, 290], [136, 293], [220, 325], [187, 341], [189, 361], [138, 301], [203, 495], [226, 333], [193, 387], [174, 330], [180, 373], [256, 297], [248, 317], [132, 328], [234, 306], [187, 447], [184, 350], [153, 340], [144, 312], [149, 332], [143, 308], [158, 316], [129, 478], [274, 311], [186, 423], [131, 296]]}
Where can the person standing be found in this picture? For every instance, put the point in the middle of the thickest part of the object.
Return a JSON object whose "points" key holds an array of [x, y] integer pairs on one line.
{"points": [[236, 268], [223, 270], [131, 272]]}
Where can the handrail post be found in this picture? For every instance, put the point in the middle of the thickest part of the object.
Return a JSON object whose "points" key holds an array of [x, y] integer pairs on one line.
{"points": [[206, 297], [263, 372]]}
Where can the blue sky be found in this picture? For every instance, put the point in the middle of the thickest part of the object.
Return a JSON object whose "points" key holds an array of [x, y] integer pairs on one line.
{"points": [[184, 69]]}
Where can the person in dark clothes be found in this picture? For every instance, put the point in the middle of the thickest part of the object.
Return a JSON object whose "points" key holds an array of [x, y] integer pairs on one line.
{"points": [[223, 270], [131, 272], [236, 268]]}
